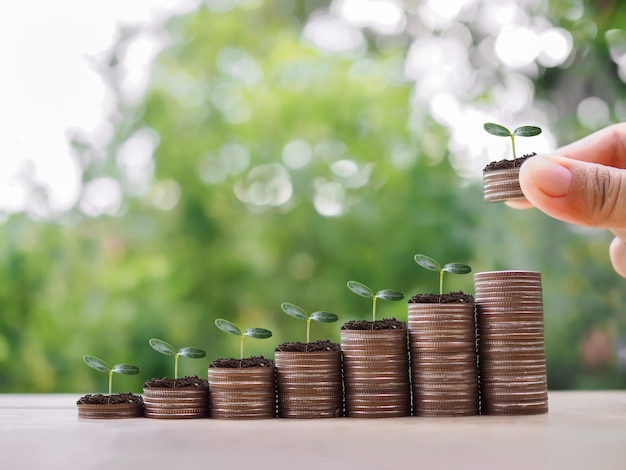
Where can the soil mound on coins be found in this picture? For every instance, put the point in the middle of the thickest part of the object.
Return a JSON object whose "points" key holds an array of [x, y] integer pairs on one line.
{"points": [[448, 298], [231, 363], [192, 381], [114, 399], [384, 324], [508, 164], [315, 346]]}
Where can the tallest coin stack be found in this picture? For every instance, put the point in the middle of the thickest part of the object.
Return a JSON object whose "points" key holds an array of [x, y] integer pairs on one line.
{"points": [[511, 352]]}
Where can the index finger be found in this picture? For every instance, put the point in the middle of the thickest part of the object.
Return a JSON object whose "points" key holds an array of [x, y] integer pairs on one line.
{"points": [[606, 147]]}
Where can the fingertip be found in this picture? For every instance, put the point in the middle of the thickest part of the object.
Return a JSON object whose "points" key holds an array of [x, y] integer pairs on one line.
{"points": [[617, 253], [518, 203]]}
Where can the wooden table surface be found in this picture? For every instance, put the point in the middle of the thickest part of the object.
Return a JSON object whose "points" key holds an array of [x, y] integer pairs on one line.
{"points": [[584, 430]]}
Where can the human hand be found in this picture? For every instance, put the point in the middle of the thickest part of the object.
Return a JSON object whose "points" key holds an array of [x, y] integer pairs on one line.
{"points": [[583, 183]]}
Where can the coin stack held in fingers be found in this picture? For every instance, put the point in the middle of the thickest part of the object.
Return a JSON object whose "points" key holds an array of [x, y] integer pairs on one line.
{"points": [[511, 350], [503, 184], [443, 359]]}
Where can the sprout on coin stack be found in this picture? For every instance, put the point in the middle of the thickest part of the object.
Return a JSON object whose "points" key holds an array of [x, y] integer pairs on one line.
{"points": [[111, 406], [297, 312], [443, 347], [308, 374], [167, 398], [501, 178], [242, 388], [431, 264], [375, 358], [167, 349]]}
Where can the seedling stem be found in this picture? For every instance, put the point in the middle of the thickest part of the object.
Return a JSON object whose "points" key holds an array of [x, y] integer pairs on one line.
{"points": [[101, 366], [165, 348], [296, 312], [364, 291], [501, 131], [432, 265], [232, 329]]}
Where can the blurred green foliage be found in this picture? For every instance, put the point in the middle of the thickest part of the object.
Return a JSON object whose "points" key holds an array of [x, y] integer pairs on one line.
{"points": [[258, 134]]}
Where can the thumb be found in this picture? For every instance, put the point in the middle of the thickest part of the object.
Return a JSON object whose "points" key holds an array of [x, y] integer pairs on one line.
{"points": [[576, 191]]}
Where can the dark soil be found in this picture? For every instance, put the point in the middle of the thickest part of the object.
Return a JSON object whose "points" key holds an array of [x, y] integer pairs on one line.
{"points": [[507, 164], [448, 298], [384, 324], [308, 347], [114, 399], [183, 382], [254, 361]]}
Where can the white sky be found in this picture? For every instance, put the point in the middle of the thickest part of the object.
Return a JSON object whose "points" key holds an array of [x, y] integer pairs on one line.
{"points": [[49, 85]]}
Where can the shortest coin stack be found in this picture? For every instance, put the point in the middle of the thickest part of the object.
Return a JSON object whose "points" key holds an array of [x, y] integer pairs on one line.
{"points": [[118, 406], [176, 403], [120, 411], [512, 362]]}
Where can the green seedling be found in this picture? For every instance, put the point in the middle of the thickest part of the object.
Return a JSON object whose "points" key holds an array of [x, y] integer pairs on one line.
{"points": [[432, 265], [364, 291], [501, 131], [231, 328], [296, 312], [167, 349], [101, 366]]}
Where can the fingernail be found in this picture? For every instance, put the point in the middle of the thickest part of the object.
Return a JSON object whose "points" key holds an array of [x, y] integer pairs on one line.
{"points": [[549, 175]]}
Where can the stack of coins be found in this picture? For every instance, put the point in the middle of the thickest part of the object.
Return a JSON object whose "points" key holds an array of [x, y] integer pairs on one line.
{"points": [[176, 403], [112, 411], [442, 338], [376, 373], [512, 360], [502, 184], [242, 393], [309, 384]]}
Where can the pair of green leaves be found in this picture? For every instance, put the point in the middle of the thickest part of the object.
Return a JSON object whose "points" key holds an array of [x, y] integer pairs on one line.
{"points": [[432, 265], [364, 291], [501, 131], [101, 366], [165, 348], [297, 312], [232, 329]]}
